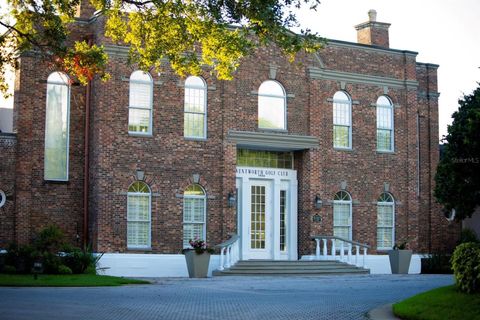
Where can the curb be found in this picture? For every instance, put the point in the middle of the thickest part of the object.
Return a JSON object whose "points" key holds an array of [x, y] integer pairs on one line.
{"points": [[382, 313]]}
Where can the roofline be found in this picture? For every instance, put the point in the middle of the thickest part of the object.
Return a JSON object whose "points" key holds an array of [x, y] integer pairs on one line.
{"points": [[371, 47]]}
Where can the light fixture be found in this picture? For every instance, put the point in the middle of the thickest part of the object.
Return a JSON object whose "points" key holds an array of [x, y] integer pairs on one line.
{"points": [[231, 199], [317, 202]]}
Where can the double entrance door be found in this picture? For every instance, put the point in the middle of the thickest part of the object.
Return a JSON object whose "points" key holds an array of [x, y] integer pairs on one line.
{"points": [[267, 217]]}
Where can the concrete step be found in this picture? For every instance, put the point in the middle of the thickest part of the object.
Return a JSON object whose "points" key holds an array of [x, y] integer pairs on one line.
{"points": [[270, 267]]}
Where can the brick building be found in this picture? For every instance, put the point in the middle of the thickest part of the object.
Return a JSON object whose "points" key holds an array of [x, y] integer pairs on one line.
{"points": [[342, 142]]}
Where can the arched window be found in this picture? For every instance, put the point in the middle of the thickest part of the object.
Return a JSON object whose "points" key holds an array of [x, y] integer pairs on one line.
{"points": [[194, 212], [57, 119], [139, 215], [272, 106], [385, 221], [342, 215], [384, 124], [140, 105], [342, 121], [195, 108]]}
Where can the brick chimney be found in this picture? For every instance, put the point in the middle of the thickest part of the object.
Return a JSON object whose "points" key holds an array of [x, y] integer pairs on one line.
{"points": [[373, 32], [85, 10]]}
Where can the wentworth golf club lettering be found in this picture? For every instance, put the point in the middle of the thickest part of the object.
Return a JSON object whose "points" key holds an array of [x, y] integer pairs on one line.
{"points": [[263, 173]]}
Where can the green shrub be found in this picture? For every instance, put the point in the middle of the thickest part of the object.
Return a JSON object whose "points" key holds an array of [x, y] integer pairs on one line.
{"points": [[9, 269], [63, 269], [21, 257], [79, 260], [468, 235], [50, 239], [437, 263], [466, 267]]}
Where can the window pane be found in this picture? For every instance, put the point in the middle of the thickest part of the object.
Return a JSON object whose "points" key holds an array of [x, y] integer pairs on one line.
{"points": [[138, 234], [384, 139], [140, 95], [342, 232], [194, 125], [194, 100], [267, 159], [341, 214], [138, 120], [271, 112], [138, 208], [384, 237], [56, 133], [341, 113], [270, 87], [192, 231], [384, 118], [341, 137]]}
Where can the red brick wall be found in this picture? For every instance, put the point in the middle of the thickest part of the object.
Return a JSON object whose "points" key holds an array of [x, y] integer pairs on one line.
{"points": [[8, 150], [169, 161]]}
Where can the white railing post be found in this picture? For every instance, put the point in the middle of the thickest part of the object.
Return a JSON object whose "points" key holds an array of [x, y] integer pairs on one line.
{"points": [[334, 251], [325, 253], [349, 253], [317, 249], [342, 251], [221, 259], [357, 255], [227, 264], [364, 257]]}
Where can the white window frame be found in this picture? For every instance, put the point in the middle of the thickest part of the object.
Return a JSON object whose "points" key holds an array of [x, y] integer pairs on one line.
{"points": [[150, 83], [142, 194], [392, 205], [283, 97], [66, 82], [204, 229], [204, 89], [349, 202], [388, 107], [349, 104]]}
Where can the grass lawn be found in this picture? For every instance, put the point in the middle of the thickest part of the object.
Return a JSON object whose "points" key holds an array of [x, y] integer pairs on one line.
{"points": [[71, 280], [440, 303]]}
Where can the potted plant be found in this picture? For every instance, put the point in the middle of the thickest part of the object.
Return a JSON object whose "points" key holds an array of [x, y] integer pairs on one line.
{"points": [[400, 258], [197, 258]]}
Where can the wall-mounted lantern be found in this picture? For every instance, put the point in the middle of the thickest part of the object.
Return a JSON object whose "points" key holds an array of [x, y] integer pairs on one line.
{"points": [[318, 202], [231, 199]]}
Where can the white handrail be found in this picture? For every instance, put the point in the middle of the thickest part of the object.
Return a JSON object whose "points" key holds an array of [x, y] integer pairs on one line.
{"points": [[323, 254], [228, 252]]}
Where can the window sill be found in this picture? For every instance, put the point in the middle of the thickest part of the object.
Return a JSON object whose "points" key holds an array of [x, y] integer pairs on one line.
{"points": [[138, 134], [47, 181], [343, 149], [194, 139], [139, 249], [273, 130], [385, 152]]}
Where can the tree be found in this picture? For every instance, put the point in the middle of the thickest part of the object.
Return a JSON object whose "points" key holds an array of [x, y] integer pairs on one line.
{"points": [[458, 173], [189, 33]]}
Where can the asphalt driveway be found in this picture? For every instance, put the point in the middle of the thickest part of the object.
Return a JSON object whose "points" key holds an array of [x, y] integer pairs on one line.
{"points": [[322, 297]]}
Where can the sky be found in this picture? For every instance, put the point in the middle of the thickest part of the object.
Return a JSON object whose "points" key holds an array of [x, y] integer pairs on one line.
{"points": [[444, 32]]}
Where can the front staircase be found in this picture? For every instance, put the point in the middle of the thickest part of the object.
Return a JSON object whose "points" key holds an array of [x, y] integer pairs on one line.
{"points": [[275, 267]]}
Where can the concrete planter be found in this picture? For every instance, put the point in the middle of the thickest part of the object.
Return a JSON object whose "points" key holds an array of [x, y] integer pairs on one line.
{"points": [[400, 261], [197, 264]]}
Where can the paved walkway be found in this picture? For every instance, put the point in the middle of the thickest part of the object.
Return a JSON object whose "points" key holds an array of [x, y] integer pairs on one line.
{"points": [[322, 297]]}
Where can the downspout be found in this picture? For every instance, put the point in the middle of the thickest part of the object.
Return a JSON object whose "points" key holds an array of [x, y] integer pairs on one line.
{"points": [[86, 168]]}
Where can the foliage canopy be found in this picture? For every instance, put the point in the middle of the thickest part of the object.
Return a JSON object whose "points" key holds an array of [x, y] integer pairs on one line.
{"points": [[458, 173], [188, 33]]}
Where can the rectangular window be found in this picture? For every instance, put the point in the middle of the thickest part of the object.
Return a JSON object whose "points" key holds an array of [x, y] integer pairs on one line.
{"points": [[342, 222], [193, 220], [56, 133], [264, 159], [138, 221], [194, 121], [384, 226], [257, 217], [140, 104], [341, 125], [384, 128], [283, 220]]}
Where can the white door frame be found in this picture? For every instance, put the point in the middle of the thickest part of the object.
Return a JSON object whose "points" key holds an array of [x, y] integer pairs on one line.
{"points": [[278, 179]]}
